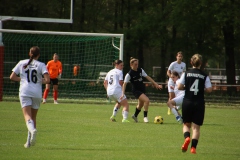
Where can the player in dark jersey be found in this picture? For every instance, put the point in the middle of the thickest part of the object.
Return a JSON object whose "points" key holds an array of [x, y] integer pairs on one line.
{"points": [[195, 82], [135, 76]]}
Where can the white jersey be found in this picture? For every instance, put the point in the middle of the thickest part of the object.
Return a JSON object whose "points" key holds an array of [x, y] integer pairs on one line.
{"points": [[31, 77], [178, 92], [113, 77], [179, 68]]}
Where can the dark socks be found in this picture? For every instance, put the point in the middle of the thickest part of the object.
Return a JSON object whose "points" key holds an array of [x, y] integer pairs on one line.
{"points": [[137, 111], [186, 134], [194, 143], [145, 113]]}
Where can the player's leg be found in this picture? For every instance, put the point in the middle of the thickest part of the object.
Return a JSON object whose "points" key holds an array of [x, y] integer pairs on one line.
{"points": [[144, 100], [187, 119], [34, 132], [45, 94], [171, 94], [26, 103], [115, 111], [195, 137], [198, 114], [186, 134], [55, 90], [125, 110], [34, 110], [171, 104], [140, 104]]}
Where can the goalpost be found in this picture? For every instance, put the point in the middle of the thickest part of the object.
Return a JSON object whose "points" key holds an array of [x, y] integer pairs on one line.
{"points": [[86, 58]]}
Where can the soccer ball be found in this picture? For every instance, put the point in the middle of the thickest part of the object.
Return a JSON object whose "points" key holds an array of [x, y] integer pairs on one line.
{"points": [[158, 120]]}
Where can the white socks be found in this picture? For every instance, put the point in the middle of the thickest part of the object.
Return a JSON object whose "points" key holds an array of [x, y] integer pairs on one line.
{"points": [[30, 125], [115, 110], [174, 112], [125, 114]]}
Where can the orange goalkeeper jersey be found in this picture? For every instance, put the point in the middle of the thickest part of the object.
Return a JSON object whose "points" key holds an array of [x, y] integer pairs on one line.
{"points": [[54, 68]]}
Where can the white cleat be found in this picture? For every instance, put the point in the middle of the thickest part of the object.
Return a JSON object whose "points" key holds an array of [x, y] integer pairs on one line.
{"points": [[135, 118], [33, 137], [44, 101], [27, 145], [179, 120], [55, 102], [145, 119]]}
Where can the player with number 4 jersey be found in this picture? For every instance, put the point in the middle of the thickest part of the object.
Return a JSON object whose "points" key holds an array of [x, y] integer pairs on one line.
{"points": [[195, 82]]}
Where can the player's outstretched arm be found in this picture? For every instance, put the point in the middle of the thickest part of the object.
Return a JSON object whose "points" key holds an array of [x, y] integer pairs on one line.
{"points": [[154, 83]]}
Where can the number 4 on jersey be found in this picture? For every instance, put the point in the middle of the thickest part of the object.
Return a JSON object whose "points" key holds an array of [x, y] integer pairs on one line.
{"points": [[194, 87]]}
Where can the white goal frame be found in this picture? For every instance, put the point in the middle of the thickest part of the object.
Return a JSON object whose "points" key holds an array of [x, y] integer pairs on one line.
{"points": [[121, 36], [37, 19]]}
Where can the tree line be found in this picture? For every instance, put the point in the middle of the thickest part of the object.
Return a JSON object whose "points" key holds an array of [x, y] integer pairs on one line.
{"points": [[154, 30]]}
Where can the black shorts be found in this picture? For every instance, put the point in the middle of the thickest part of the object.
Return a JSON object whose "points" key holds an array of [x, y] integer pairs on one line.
{"points": [[53, 81], [137, 93], [193, 111]]}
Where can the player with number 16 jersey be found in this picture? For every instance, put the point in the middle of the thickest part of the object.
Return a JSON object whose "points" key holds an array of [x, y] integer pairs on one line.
{"points": [[31, 78]]}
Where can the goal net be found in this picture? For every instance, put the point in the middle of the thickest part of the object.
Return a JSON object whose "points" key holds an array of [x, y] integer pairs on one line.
{"points": [[86, 58]]}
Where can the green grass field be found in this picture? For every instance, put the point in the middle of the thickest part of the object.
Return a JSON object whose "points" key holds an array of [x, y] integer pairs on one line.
{"points": [[84, 132]]}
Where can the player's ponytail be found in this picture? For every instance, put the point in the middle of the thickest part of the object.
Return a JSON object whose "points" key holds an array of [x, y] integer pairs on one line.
{"points": [[34, 52]]}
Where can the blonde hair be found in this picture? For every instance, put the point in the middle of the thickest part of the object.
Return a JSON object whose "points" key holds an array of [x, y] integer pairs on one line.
{"points": [[132, 60], [196, 60]]}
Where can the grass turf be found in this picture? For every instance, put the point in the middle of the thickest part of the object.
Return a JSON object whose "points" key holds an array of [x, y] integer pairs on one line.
{"points": [[84, 131]]}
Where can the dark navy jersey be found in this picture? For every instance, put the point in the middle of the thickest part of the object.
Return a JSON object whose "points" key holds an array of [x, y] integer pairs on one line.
{"points": [[195, 84], [137, 80]]}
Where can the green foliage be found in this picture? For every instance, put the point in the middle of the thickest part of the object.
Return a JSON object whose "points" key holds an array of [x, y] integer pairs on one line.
{"points": [[84, 131]]}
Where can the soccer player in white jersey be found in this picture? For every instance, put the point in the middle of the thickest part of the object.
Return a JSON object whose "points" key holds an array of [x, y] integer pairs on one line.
{"points": [[195, 82], [179, 67], [175, 104], [30, 90], [113, 84]]}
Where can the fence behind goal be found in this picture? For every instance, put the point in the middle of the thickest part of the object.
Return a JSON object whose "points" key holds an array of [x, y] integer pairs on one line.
{"points": [[91, 55]]}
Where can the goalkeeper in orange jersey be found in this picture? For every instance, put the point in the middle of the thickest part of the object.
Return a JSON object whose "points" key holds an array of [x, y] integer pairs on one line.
{"points": [[54, 68]]}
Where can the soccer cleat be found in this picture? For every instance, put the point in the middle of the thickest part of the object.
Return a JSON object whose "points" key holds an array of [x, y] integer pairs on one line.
{"points": [[33, 137], [55, 102], [179, 119], [193, 150], [112, 118], [27, 145], [44, 101], [125, 121], [185, 144], [145, 119], [135, 118], [169, 111]]}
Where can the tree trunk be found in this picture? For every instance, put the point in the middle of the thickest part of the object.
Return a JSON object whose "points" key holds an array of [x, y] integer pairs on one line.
{"points": [[228, 32]]}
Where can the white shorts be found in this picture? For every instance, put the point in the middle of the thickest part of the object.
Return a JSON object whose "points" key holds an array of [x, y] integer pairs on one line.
{"points": [[171, 83], [116, 97], [178, 100], [30, 101]]}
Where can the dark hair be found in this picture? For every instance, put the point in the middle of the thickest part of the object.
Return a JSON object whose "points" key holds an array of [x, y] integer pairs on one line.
{"points": [[117, 62], [132, 60], [180, 52], [196, 60], [175, 74], [34, 52]]}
